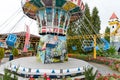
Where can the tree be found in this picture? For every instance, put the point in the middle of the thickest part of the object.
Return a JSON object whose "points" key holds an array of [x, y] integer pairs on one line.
{"points": [[83, 27], [2, 51], [73, 31], [107, 32], [88, 20], [95, 19]]}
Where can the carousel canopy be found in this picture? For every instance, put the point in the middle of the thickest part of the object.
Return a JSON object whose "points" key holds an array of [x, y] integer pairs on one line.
{"points": [[74, 7], [53, 16]]}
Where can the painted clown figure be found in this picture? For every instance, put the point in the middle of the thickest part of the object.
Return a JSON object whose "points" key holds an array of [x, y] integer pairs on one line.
{"points": [[52, 49]]}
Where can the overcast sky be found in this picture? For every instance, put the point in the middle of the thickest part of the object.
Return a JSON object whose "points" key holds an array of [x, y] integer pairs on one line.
{"points": [[106, 8], [8, 7]]}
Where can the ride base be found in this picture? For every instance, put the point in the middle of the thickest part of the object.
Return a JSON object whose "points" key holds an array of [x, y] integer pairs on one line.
{"points": [[28, 66]]}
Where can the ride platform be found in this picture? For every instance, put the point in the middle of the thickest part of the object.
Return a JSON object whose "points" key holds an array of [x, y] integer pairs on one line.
{"points": [[28, 66]]}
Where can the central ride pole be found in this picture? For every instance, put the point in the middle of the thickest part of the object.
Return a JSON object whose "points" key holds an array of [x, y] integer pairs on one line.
{"points": [[94, 55]]}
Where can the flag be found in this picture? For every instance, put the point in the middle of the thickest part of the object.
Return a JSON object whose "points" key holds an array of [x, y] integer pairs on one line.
{"points": [[27, 38]]}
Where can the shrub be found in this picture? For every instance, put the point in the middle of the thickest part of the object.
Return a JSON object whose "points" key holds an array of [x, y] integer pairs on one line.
{"points": [[106, 53], [111, 50], [2, 51], [89, 75], [15, 52], [8, 75], [109, 77]]}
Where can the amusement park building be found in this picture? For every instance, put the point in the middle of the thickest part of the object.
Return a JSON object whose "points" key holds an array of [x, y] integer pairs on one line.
{"points": [[34, 39]]}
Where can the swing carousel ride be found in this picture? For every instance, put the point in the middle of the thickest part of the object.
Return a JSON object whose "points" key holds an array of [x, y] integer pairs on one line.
{"points": [[53, 18]]}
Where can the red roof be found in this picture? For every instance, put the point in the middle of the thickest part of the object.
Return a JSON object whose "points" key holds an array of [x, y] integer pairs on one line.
{"points": [[113, 16]]}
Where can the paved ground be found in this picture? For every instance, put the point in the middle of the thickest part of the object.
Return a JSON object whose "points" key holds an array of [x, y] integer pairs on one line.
{"points": [[103, 69], [4, 60]]}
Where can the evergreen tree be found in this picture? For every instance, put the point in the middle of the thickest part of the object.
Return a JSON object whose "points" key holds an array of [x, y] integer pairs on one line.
{"points": [[84, 28], [95, 19], [88, 16], [72, 42], [107, 32]]}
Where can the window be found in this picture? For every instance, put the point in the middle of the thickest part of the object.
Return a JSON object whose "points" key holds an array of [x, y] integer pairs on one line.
{"points": [[112, 26]]}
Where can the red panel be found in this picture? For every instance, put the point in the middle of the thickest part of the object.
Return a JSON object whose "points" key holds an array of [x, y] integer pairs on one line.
{"points": [[44, 30], [61, 31], [79, 2], [82, 6], [49, 29], [55, 30]]}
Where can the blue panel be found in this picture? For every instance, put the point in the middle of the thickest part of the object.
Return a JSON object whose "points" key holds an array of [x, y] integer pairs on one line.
{"points": [[74, 48], [88, 48], [97, 48], [1, 44], [78, 69], [42, 56], [37, 71], [53, 71], [14, 67], [106, 44], [49, 16], [68, 71], [23, 69]]}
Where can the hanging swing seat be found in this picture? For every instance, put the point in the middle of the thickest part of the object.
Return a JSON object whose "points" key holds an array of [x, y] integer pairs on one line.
{"points": [[11, 40], [87, 48], [87, 45]]}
